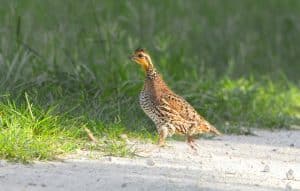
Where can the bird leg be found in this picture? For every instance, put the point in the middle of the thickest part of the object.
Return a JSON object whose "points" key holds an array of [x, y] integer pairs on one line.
{"points": [[163, 133], [191, 143], [161, 142]]}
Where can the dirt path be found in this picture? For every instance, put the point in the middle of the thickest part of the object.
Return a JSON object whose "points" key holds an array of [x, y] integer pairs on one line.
{"points": [[268, 161]]}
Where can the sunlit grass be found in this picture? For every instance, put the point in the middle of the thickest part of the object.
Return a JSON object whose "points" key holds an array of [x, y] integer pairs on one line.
{"points": [[29, 133]]}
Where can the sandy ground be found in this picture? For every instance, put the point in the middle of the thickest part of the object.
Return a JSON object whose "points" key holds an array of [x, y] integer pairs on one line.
{"points": [[268, 161]]}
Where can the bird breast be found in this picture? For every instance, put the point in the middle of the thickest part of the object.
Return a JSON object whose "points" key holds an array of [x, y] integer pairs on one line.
{"points": [[148, 106]]}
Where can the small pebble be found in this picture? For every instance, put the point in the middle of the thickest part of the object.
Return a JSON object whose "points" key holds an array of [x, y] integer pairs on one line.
{"points": [[290, 175], [110, 159], [292, 145], [3, 163], [266, 168], [123, 136], [150, 162], [31, 184], [230, 171], [124, 185]]}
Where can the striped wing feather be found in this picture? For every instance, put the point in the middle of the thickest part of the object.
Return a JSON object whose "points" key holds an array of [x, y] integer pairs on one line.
{"points": [[179, 107], [180, 110]]}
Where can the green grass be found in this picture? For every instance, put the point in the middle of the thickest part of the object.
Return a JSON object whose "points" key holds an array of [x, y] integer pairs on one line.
{"points": [[30, 133], [235, 61]]}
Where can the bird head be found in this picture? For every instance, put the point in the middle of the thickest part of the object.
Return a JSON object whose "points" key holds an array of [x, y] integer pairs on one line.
{"points": [[142, 58]]}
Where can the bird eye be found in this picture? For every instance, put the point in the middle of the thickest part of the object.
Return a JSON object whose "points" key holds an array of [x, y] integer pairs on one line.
{"points": [[140, 55]]}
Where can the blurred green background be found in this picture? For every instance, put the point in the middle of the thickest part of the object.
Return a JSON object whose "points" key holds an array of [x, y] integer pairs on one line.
{"points": [[237, 62]]}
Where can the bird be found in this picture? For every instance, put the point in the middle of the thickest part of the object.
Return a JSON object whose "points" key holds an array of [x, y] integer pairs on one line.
{"points": [[171, 113]]}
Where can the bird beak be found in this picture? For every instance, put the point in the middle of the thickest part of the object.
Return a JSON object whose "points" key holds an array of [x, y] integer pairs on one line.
{"points": [[132, 57]]}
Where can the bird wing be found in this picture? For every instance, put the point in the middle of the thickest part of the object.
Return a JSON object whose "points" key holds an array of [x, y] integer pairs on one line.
{"points": [[176, 106], [181, 112]]}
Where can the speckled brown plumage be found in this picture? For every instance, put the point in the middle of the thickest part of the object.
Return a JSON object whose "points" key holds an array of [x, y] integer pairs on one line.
{"points": [[170, 112]]}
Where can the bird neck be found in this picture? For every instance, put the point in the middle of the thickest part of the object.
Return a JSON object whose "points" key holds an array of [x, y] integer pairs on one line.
{"points": [[154, 82], [151, 73]]}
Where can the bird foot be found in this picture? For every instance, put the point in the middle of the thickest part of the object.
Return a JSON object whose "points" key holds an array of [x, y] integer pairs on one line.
{"points": [[194, 146], [164, 145]]}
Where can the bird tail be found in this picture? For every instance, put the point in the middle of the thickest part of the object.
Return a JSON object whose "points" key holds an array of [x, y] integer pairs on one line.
{"points": [[214, 130], [209, 128]]}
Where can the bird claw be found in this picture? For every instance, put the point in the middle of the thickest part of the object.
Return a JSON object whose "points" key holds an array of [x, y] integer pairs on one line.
{"points": [[164, 145], [194, 146]]}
